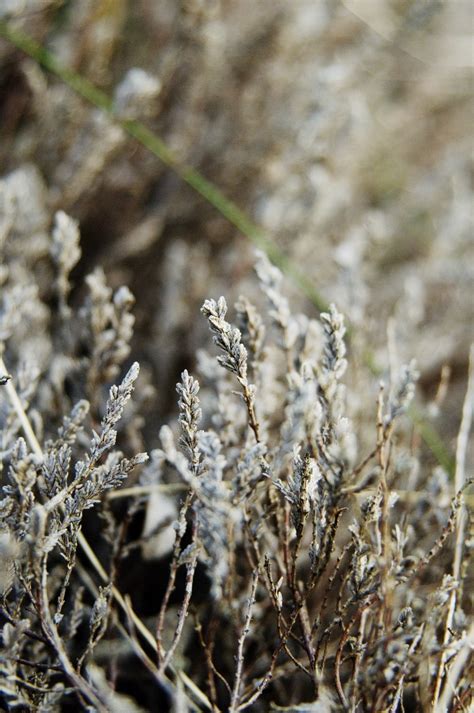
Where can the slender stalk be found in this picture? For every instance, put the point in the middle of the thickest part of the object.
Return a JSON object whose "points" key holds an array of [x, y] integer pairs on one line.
{"points": [[191, 569], [342, 642], [461, 516], [357, 661], [212, 671], [383, 442], [455, 671], [138, 490], [235, 699], [21, 415], [50, 630], [398, 695], [157, 643], [267, 678], [188, 589], [86, 548]]}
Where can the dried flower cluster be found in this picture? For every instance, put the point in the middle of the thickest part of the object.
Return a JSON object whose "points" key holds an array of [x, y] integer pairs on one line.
{"points": [[291, 571]]}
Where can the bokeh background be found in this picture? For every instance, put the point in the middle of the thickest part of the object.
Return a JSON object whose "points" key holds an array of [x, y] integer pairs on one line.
{"points": [[343, 128]]}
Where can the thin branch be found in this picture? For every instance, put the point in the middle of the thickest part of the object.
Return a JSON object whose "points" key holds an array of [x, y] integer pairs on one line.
{"points": [[180, 530], [235, 699], [357, 661], [20, 412], [50, 630], [139, 490], [87, 549], [190, 571], [211, 668], [459, 482], [340, 648], [31, 686], [455, 671]]}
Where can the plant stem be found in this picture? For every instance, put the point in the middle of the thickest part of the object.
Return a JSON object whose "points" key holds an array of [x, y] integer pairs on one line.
{"points": [[461, 516]]}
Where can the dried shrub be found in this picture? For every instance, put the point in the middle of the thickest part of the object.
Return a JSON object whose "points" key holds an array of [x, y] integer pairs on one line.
{"points": [[298, 571]]}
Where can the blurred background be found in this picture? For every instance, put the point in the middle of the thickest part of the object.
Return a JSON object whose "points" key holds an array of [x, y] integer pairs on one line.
{"points": [[343, 128]]}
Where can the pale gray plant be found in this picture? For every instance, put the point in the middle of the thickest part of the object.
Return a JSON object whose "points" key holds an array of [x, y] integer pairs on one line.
{"points": [[266, 516]]}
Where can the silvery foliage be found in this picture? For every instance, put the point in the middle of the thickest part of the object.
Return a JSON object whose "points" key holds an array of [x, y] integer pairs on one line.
{"points": [[65, 459], [280, 499]]}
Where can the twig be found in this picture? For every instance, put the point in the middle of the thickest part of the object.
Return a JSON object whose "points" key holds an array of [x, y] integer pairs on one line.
{"points": [[383, 441], [328, 588], [398, 695], [137, 490], [211, 667], [87, 549], [22, 417], [50, 630], [265, 681], [191, 569], [31, 686], [278, 603], [40, 666], [459, 481], [455, 670], [340, 648], [234, 702], [357, 661], [180, 530]]}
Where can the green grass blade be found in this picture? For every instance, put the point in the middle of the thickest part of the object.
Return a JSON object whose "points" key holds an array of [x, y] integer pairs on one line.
{"points": [[208, 190], [153, 143]]}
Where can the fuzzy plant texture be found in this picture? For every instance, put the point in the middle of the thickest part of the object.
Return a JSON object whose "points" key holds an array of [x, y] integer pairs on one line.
{"points": [[256, 555]]}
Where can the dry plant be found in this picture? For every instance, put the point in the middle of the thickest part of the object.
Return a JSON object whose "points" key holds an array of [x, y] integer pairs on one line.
{"points": [[296, 572]]}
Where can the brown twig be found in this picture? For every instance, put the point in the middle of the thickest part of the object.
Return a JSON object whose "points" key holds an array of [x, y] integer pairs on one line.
{"points": [[89, 552], [235, 698], [51, 632], [459, 482], [190, 571], [340, 648], [181, 528]]}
